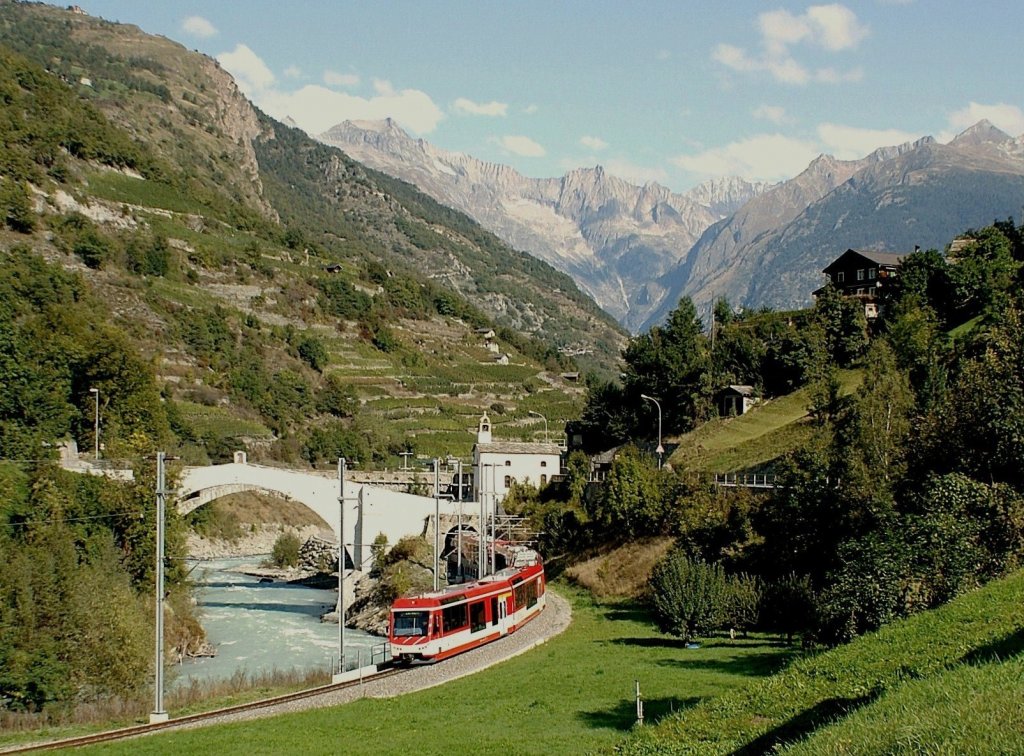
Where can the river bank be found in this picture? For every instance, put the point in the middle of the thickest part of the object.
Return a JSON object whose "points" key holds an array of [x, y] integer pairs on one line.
{"points": [[258, 623], [255, 540]]}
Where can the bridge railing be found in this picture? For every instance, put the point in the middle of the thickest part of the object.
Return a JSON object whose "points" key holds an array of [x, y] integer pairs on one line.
{"points": [[746, 480]]}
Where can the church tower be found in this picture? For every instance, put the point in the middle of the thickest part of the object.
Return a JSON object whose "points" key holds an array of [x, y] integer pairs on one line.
{"points": [[483, 433]]}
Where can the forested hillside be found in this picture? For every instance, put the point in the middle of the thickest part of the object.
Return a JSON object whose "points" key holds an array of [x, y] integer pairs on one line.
{"points": [[895, 498], [218, 282]]}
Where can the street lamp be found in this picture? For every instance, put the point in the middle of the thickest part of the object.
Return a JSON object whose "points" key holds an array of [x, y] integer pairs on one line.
{"points": [[660, 449], [537, 414], [96, 428]]}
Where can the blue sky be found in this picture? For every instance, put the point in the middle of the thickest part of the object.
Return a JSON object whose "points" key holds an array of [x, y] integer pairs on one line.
{"points": [[675, 92]]}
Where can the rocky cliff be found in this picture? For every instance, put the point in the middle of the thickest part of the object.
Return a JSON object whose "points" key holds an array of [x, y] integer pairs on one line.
{"points": [[614, 238]]}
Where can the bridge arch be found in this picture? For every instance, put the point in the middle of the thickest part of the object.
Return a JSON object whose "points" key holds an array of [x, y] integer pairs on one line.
{"points": [[369, 510]]}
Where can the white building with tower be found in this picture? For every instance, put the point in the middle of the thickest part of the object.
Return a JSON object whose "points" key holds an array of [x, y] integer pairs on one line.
{"points": [[499, 464]]}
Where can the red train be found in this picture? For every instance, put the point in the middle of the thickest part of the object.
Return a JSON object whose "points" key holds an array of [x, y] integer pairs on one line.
{"points": [[433, 626]]}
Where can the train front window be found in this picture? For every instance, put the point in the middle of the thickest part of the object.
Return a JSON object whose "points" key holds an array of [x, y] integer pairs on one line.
{"points": [[410, 623]]}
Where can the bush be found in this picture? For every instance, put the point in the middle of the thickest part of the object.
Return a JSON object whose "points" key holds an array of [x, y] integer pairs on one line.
{"points": [[286, 550], [743, 602], [689, 597]]}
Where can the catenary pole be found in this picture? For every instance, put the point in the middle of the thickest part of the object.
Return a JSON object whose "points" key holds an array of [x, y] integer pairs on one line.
{"points": [[437, 520], [341, 565], [158, 714]]}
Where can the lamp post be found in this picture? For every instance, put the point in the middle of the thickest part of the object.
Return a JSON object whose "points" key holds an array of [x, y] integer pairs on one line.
{"points": [[660, 449], [537, 414], [96, 426]]}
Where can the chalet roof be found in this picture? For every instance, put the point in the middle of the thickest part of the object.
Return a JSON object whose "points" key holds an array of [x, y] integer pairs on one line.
{"points": [[741, 390], [518, 447], [606, 457], [883, 259]]}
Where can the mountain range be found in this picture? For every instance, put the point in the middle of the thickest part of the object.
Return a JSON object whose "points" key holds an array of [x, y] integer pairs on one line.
{"points": [[617, 240], [638, 249]]}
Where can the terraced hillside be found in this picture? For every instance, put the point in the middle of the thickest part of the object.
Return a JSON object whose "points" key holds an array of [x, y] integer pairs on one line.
{"points": [[287, 298]]}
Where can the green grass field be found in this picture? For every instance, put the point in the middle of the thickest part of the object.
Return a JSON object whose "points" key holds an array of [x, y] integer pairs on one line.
{"points": [[764, 433], [927, 684], [573, 694]]}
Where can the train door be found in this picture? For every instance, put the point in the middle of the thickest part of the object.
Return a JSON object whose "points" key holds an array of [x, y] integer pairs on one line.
{"points": [[503, 612]]}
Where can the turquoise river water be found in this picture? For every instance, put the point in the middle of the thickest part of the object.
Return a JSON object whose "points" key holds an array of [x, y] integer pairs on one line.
{"points": [[261, 627]]}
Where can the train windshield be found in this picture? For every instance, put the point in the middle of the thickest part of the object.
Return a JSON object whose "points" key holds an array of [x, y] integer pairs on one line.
{"points": [[410, 623]]}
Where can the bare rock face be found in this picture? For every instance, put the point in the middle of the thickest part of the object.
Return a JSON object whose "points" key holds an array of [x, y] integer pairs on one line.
{"points": [[614, 238]]}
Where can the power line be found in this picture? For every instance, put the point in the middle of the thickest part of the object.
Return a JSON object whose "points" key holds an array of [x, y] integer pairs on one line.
{"points": [[71, 519]]}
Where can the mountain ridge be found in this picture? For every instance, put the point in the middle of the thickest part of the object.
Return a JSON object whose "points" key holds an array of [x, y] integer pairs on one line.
{"points": [[921, 193], [612, 236]]}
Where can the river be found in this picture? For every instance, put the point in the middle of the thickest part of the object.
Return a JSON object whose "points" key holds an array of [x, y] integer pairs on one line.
{"points": [[261, 627]]}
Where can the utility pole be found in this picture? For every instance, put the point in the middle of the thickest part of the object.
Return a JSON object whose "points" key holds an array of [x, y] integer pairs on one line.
{"points": [[458, 554], [481, 555], [158, 714], [494, 520], [437, 520], [341, 565], [96, 424]]}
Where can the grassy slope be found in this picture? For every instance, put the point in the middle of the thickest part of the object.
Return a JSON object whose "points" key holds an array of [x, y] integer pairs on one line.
{"points": [[761, 435], [571, 695], [969, 709], [923, 660]]}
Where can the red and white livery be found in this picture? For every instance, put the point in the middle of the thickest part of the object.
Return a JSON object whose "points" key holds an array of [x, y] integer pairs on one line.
{"points": [[433, 626]]}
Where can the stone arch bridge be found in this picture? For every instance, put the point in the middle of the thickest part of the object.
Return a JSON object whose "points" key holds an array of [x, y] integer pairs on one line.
{"points": [[369, 510]]}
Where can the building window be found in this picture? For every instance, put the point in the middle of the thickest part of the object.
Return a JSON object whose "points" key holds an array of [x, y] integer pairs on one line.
{"points": [[543, 479], [543, 463], [860, 274], [860, 291], [508, 481], [871, 273], [840, 277], [508, 463]]}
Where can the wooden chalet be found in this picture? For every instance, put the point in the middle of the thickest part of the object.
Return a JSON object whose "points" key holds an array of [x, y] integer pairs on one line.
{"points": [[862, 274]]}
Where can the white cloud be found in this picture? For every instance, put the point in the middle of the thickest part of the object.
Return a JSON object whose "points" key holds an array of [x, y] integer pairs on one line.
{"points": [[531, 109], [251, 73], [337, 79], [383, 87], [835, 27], [593, 143], [774, 113], [831, 27], [198, 27], [520, 145], [636, 174], [832, 76], [316, 108], [765, 157], [1009, 118], [663, 55], [493, 108], [293, 72], [853, 143]]}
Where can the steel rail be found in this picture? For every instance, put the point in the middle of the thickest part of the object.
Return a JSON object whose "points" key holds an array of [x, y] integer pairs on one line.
{"points": [[171, 724]]}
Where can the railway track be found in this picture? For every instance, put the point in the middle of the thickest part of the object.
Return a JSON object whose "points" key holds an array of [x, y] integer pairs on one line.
{"points": [[191, 719]]}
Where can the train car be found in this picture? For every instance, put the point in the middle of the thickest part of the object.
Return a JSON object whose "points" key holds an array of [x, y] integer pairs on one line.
{"points": [[433, 626]]}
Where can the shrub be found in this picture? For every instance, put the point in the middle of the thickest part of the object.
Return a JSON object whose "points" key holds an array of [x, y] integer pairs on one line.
{"points": [[689, 597], [313, 352], [743, 602], [286, 550]]}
